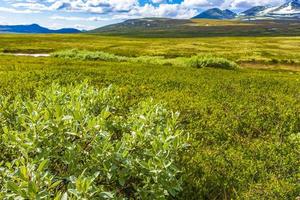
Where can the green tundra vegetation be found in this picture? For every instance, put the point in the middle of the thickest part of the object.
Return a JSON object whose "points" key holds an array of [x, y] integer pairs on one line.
{"points": [[110, 117], [174, 28]]}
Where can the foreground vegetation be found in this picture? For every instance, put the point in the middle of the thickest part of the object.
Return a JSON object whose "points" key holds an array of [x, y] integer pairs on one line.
{"points": [[79, 142], [195, 61], [243, 125]]}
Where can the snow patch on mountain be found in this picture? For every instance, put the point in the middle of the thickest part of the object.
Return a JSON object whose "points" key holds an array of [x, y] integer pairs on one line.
{"points": [[289, 9]]}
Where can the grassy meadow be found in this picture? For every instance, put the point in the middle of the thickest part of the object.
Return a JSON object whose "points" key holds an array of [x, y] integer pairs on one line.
{"points": [[240, 126], [244, 50]]}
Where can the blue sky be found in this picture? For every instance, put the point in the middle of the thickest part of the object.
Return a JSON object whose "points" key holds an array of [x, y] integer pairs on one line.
{"points": [[89, 14]]}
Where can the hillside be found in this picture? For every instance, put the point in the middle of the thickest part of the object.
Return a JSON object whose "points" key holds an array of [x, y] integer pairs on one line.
{"points": [[158, 27], [143, 26]]}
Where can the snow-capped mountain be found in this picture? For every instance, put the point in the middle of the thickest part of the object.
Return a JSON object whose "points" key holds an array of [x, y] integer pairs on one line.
{"points": [[291, 9]]}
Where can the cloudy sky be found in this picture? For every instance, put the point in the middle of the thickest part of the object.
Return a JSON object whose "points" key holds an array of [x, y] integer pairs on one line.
{"points": [[89, 14]]}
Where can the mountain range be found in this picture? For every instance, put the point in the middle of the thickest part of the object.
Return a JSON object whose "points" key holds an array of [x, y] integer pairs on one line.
{"points": [[291, 9], [34, 28], [216, 13]]}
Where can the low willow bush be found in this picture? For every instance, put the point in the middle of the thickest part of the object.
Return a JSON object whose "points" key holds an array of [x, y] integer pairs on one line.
{"points": [[77, 142], [88, 55], [211, 62], [85, 55], [195, 61]]}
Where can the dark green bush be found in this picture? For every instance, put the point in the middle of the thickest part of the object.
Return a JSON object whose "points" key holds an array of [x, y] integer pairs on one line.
{"points": [[275, 61], [282, 61], [202, 62], [74, 142]]}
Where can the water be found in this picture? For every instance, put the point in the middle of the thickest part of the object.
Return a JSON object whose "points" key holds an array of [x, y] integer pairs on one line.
{"points": [[29, 54]]}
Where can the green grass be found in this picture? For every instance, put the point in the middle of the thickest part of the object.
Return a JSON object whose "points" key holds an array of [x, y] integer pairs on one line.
{"points": [[243, 50], [243, 124]]}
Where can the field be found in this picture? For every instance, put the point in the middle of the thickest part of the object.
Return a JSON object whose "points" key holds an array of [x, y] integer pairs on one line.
{"points": [[280, 52], [241, 126]]}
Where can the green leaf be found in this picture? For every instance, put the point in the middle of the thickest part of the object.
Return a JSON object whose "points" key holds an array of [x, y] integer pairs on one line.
{"points": [[24, 173], [5, 129], [107, 195], [13, 187], [57, 197], [42, 165], [54, 185], [122, 181], [32, 188]]}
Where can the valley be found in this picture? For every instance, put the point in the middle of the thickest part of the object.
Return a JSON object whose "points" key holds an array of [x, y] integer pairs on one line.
{"points": [[243, 50], [232, 104], [151, 100]]}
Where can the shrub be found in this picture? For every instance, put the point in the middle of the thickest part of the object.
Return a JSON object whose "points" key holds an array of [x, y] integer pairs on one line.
{"points": [[282, 61], [275, 61], [75, 142], [201, 62], [88, 55], [196, 61]]}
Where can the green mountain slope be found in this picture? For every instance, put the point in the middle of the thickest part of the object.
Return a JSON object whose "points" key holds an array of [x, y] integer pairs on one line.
{"points": [[162, 27]]}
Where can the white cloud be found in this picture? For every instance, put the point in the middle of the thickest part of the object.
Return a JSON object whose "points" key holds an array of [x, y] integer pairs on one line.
{"points": [[129, 8], [84, 27], [94, 6], [56, 26], [249, 3], [196, 3], [3, 21], [88, 19], [233, 4], [31, 6], [158, 1], [12, 10], [163, 10]]}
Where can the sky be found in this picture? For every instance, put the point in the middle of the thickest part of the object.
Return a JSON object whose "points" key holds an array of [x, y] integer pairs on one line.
{"points": [[90, 14]]}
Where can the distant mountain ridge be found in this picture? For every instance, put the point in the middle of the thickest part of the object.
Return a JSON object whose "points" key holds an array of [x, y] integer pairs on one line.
{"points": [[216, 13], [290, 9], [34, 28], [254, 11]]}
